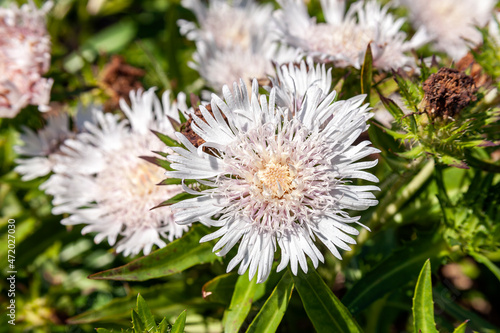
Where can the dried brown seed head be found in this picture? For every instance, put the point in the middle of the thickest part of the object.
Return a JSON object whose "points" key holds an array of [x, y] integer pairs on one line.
{"points": [[447, 92]]}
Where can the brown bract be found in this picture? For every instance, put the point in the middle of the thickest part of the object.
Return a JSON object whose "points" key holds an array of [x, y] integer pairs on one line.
{"points": [[447, 92], [119, 78]]}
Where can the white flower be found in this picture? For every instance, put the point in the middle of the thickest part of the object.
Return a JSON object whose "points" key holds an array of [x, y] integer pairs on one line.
{"points": [[220, 67], [39, 149], [344, 38], [274, 179], [452, 23], [101, 181], [24, 58], [295, 79], [233, 41]]}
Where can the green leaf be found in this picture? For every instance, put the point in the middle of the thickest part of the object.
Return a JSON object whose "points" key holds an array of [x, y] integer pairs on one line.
{"points": [[177, 181], [166, 139], [423, 306], [325, 310], [220, 289], [165, 299], [163, 327], [487, 262], [392, 273], [179, 324], [137, 323], [270, 315], [103, 330], [145, 314], [177, 256], [461, 328], [175, 199], [392, 107], [158, 161], [367, 73], [241, 303]]}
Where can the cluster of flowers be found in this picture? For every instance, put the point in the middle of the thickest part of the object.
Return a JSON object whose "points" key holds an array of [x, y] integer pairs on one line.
{"points": [[272, 169], [24, 58]]}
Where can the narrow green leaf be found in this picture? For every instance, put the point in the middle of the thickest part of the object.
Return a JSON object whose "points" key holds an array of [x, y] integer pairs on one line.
{"points": [[423, 306], [487, 262], [137, 323], [413, 153], [394, 134], [392, 273], [158, 161], [325, 310], [103, 330], [166, 139], [392, 107], [241, 303], [270, 315], [220, 289], [177, 256], [367, 73], [163, 327], [461, 328], [175, 199], [176, 181], [179, 324], [145, 314]]}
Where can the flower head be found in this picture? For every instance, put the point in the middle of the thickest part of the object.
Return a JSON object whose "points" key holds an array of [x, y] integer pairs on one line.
{"points": [[24, 58], [39, 149], [233, 41], [276, 179], [451, 23], [101, 181], [343, 38]]}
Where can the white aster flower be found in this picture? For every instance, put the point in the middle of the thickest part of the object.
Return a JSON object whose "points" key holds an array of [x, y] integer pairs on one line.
{"points": [[221, 67], [295, 79], [233, 41], [343, 38], [275, 179], [39, 149], [101, 181], [24, 58], [227, 24], [451, 23]]}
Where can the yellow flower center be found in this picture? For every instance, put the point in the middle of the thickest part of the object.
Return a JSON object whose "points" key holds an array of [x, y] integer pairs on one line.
{"points": [[275, 179]]}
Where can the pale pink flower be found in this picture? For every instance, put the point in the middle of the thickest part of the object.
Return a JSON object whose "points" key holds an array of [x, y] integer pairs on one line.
{"points": [[101, 181], [24, 58], [276, 178], [234, 40], [451, 23], [344, 37]]}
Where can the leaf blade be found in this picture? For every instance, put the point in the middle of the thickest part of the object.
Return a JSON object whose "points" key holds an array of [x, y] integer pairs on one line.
{"points": [[326, 313], [272, 312], [180, 323], [177, 256], [241, 303], [423, 306]]}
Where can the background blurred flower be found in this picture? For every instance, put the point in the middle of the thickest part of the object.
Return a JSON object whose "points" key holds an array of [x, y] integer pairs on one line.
{"points": [[24, 58], [274, 178], [101, 181], [343, 39], [39, 149], [451, 23], [234, 40]]}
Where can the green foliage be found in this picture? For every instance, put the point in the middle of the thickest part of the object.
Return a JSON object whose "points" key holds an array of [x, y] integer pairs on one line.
{"points": [[439, 201], [177, 256], [143, 321], [323, 308], [423, 307]]}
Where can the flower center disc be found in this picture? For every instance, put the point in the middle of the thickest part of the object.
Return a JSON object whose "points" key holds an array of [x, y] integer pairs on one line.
{"points": [[276, 179]]}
